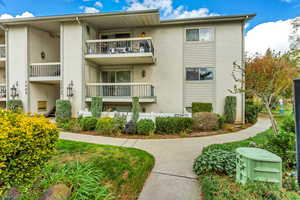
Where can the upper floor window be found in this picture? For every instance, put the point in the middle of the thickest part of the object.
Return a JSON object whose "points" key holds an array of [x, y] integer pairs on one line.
{"points": [[199, 34], [200, 73]]}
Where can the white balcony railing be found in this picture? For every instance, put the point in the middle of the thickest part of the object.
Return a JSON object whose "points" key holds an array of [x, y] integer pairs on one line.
{"points": [[120, 46], [45, 70], [2, 90], [2, 51], [143, 90]]}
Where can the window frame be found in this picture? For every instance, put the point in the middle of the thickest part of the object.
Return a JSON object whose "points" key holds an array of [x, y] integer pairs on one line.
{"points": [[200, 81], [200, 41]]}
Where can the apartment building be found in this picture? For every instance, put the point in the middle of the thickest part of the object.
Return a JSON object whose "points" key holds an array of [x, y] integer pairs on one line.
{"points": [[167, 63]]}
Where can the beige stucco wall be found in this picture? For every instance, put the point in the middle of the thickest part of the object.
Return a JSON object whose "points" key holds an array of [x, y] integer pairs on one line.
{"points": [[18, 61], [173, 54], [229, 48], [43, 92], [41, 41], [73, 64]]}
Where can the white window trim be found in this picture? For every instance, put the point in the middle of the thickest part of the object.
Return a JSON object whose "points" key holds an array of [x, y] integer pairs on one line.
{"points": [[212, 31], [200, 81]]}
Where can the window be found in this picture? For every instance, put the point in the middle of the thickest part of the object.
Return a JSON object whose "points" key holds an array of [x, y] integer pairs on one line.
{"points": [[199, 34], [199, 73]]}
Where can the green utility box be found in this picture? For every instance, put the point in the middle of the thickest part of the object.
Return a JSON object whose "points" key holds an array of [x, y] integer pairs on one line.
{"points": [[255, 164]]}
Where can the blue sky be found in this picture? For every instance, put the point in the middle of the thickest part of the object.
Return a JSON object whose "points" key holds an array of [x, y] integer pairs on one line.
{"points": [[267, 10]]}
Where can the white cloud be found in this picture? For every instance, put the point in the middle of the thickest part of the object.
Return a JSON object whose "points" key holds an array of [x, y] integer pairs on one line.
{"points": [[274, 35], [167, 9], [87, 9], [98, 4], [23, 15]]}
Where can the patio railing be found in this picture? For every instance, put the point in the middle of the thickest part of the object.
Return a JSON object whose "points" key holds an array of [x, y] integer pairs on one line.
{"points": [[120, 46], [45, 70], [2, 51], [120, 90]]}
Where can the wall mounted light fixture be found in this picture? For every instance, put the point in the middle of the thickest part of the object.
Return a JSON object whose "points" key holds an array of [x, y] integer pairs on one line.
{"points": [[70, 92]]}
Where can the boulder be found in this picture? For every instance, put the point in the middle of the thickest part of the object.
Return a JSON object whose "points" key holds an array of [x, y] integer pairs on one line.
{"points": [[57, 192]]}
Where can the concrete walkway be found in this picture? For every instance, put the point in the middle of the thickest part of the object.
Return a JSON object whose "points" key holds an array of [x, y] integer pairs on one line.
{"points": [[172, 177]]}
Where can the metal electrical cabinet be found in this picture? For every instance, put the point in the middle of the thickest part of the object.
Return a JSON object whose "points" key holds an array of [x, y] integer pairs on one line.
{"points": [[255, 164]]}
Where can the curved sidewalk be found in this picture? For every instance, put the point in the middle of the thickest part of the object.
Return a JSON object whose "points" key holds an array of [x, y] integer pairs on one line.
{"points": [[172, 177]]}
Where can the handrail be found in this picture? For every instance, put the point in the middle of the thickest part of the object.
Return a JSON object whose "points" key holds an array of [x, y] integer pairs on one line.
{"points": [[50, 63], [116, 84], [120, 39]]}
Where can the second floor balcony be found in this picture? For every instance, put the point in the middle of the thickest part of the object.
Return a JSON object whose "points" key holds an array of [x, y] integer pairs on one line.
{"points": [[44, 72], [120, 51]]}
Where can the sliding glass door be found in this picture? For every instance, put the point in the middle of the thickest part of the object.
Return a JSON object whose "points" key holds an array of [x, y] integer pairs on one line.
{"points": [[116, 77]]}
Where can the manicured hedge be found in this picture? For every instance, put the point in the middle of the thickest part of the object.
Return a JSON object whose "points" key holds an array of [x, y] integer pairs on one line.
{"points": [[15, 105], [26, 145], [96, 106], [201, 107], [230, 109], [173, 125], [207, 121], [108, 126], [63, 111], [88, 123], [145, 127]]}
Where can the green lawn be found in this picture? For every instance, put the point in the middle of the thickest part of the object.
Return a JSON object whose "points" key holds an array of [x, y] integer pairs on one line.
{"points": [[95, 172]]}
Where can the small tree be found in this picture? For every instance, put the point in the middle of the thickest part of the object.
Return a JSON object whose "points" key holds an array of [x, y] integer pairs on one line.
{"points": [[135, 109], [267, 78], [96, 106]]}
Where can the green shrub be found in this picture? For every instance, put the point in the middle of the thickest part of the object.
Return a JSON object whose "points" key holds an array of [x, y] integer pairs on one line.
{"points": [[108, 126], [135, 109], [284, 146], [206, 121], [230, 109], [63, 111], [145, 127], [71, 125], [120, 122], [221, 120], [251, 111], [173, 125], [26, 145], [201, 107], [218, 161], [88, 123], [130, 128], [217, 187], [96, 106], [15, 105], [288, 124]]}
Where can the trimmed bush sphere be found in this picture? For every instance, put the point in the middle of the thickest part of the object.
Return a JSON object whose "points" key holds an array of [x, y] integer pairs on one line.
{"points": [[145, 127]]}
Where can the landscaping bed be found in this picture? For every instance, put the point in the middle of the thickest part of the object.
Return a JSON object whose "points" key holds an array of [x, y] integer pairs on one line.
{"points": [[216, 167], [228, 128], [94, 172]]}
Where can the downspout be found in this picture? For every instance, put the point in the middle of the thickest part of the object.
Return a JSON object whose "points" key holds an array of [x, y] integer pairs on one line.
{"points": [[243, 66]]}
